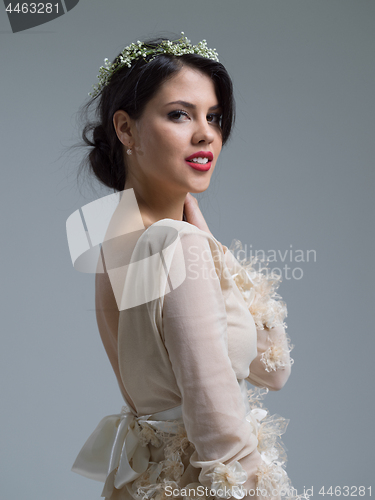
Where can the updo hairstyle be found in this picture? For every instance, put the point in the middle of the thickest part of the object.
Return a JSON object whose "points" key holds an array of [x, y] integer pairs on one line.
{"points": [[130, 89]]}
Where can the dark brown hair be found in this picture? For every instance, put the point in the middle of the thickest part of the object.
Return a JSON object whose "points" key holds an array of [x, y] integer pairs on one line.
{"points": [[130, 89]]}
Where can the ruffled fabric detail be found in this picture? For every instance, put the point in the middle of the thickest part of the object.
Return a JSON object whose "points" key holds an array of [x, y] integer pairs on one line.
{"points": [[227, 480], [258, 288], [177, 443], [277, 355], [268, 428], [148, 435], [273, 482], [154, 481], [158, 491], [131, 451]]}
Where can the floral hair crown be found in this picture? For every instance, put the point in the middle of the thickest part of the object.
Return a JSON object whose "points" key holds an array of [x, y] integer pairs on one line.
{"points": [[139, 49]]}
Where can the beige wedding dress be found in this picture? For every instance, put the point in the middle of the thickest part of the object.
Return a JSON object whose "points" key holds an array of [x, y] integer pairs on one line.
{"points": [[194, 325]]}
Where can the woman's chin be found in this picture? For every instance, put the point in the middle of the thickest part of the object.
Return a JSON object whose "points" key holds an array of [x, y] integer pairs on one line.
{"points": [[197, 191], [199, 187]]}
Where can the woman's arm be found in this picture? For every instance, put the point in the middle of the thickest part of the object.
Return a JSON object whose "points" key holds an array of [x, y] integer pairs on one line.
{"points": [[195, 335], [271, 368]]}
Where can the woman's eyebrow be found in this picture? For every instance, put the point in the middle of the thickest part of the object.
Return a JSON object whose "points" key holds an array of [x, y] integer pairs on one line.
{"points": [[190, 105]]}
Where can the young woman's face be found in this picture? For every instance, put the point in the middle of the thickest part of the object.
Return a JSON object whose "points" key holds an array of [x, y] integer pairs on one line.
{"points": [[177, 140]]}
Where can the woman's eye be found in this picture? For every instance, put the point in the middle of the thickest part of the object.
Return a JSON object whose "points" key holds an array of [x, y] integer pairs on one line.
{"points": [[178, 115], [214, 118]]}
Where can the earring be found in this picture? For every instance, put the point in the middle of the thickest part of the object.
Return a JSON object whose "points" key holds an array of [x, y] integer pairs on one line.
{"points": [[129, 151]]}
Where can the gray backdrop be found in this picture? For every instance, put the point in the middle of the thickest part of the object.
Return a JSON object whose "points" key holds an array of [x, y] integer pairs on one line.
{"points": [[297, 175]]}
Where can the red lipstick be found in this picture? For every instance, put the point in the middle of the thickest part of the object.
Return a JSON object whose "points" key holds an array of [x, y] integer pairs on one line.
{"points": [[203, 167]]}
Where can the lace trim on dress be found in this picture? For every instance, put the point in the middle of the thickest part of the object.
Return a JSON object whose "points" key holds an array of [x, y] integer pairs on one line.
{"points": [[148, 435], [273, 482], [154, 481], [161, 478], [227, 480], [258, 288], [277, 354]]}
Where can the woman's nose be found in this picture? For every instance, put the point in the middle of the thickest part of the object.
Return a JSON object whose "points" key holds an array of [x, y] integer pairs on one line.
{"points": [[203, 132]]}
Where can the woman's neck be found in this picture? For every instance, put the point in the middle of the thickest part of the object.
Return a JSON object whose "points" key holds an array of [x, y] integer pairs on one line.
{"points": [[155, 205]]}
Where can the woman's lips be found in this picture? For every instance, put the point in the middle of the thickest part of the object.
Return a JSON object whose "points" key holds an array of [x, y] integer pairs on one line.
{"points": [[203, 167]]}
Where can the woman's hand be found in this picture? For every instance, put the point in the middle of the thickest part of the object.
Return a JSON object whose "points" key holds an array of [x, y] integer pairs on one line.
{"points": [[193, 213]]}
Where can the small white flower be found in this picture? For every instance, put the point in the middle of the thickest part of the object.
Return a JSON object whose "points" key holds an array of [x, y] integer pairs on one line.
{"points": [[271, 478], [173, 466], [227, 480], [136, 50]]}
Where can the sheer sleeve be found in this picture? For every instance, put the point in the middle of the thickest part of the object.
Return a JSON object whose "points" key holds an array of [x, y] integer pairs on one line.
{"points": [[272, 366], [195, 336]]}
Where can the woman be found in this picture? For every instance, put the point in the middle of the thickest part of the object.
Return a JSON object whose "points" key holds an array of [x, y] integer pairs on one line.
{"points": [[183, 323]]}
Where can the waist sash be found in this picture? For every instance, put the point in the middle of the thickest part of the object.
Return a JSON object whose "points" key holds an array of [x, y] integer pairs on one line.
{"points": [[107, 453]]}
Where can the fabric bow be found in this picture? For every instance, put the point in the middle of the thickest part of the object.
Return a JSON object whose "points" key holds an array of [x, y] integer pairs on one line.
{"points": [[116, 442]]}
